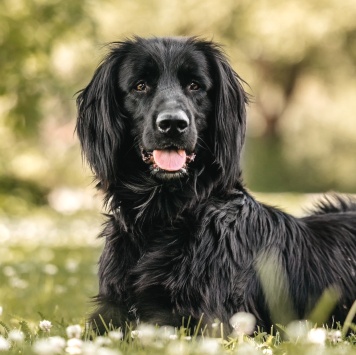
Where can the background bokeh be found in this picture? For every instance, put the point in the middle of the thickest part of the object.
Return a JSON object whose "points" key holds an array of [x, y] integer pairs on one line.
{"points": [[298, 57]]}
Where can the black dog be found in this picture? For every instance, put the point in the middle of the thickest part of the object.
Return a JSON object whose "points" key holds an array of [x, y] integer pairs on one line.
{"points": [[162, 125]]}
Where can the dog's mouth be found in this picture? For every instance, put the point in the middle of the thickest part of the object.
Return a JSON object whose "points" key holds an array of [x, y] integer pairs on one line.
{"points": [[168, 163]]}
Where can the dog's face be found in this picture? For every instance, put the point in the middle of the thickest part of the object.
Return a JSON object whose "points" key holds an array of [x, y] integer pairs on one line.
{"points": [[165, 88], [169, 100]]}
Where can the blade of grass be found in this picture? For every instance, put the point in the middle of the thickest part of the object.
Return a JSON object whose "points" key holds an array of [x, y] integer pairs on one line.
{"points": [[104, 323], [327, 302], [198, 326], [349, 319]]}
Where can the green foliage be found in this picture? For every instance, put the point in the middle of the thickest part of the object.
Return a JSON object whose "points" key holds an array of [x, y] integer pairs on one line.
{"points": [[30, 191], [31, 30], [298, 57], [25, 328], [6, 329], [46, 282], [54, 283]]}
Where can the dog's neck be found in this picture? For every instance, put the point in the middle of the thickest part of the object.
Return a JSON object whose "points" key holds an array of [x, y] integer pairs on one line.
{"points": [[142, 201]]}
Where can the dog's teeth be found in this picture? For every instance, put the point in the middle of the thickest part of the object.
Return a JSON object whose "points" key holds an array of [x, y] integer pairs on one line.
{"points": [[147, 157], [191, 157]]}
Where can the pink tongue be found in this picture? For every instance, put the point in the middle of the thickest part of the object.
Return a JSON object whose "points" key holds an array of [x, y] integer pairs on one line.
{"points": [[170, 160]]}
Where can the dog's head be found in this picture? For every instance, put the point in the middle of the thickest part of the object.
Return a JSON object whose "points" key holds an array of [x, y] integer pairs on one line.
{"points": [[166, 102]]}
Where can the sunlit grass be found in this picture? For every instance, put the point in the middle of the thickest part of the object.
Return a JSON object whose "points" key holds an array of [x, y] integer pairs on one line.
{"points": [[47, 338], [54, 284], [48, 276], [54, 281]]}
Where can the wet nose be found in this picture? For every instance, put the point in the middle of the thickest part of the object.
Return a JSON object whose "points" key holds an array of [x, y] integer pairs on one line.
{"points": [[172, 122]]}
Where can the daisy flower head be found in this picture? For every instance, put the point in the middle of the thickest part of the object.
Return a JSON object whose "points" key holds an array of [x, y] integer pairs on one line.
{"points": [[317, 336], [74, 331], [45, 325], [4, 344], [243, 323], [16, 336]]}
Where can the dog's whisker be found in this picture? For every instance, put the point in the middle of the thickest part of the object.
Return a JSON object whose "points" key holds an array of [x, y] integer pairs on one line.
{"points": [[201, 143], [134, 145]]}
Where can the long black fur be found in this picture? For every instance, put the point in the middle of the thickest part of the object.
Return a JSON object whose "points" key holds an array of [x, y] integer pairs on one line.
{"points": [[200, 244]]}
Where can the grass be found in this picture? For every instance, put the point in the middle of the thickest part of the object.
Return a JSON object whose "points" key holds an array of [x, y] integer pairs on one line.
{"points": [[54, 281], [50, 274]]}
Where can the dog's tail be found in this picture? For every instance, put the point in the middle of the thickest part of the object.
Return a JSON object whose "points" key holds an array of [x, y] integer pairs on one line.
{"points": [[335, 203]]}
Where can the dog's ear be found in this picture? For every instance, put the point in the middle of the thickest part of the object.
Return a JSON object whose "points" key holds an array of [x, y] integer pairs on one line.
{"points": [[229, 121], [101, 120]]}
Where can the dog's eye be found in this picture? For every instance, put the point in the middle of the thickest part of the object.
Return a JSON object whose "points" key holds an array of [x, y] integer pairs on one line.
{"points": [[193, 86], [141, 86]]}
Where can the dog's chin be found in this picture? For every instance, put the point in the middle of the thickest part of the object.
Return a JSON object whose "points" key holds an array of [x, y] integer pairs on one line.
{"points": [[159, 172], [168, 175]]}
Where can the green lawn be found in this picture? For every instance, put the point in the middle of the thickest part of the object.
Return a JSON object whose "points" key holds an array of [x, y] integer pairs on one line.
{"points": [[48, 265], [56, 282]]}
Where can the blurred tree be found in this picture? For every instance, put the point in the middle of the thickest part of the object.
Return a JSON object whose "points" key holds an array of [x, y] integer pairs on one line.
{"points": [[39, 76], [298, 57], [30, 33], [294, 46]]}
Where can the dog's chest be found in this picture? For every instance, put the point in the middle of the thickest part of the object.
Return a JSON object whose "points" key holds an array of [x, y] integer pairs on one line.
{"points": [[179, 269]]}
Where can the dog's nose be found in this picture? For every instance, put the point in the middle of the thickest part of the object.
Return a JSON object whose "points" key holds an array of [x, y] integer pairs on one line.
{"points": [[172, 122]]}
